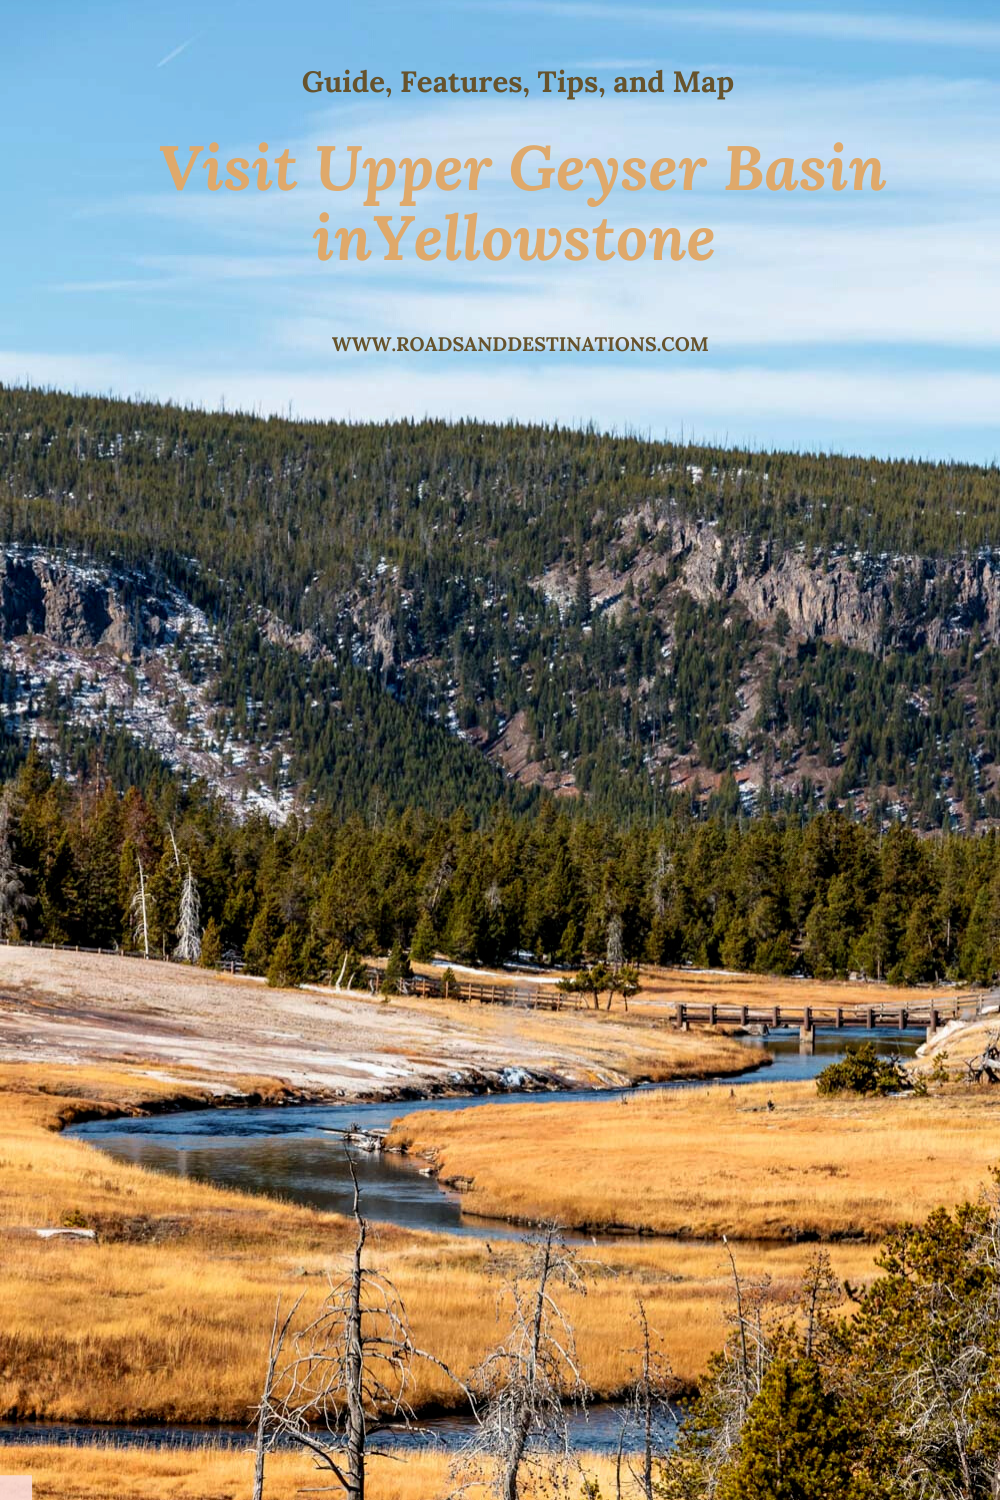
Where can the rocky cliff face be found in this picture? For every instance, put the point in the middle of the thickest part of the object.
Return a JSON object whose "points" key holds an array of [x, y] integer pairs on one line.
{"points": [[863, 602], [74, 609]]}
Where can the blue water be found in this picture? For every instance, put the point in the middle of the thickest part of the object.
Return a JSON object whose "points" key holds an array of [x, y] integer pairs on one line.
{"points": [[287, 1153], [596, 1430]]}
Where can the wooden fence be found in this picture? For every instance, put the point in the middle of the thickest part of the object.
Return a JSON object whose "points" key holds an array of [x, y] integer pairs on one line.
{"points": [[472, 991]]}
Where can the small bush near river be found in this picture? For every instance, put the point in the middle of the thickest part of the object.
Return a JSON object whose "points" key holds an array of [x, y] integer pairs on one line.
{"points": [[863, 1071]]}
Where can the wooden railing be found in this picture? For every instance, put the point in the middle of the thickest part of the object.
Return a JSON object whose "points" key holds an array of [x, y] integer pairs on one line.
{"points": [[226, 966], [473, 991], [925, 1015]]}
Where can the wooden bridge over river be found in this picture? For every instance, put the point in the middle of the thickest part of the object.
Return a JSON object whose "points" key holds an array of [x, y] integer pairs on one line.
{"points": [[927, 1015]]}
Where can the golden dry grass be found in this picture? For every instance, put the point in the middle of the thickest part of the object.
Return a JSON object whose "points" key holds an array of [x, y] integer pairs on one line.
{"points": [[167, 1318], [712, 1161], [100, 1474], [702, 986]]}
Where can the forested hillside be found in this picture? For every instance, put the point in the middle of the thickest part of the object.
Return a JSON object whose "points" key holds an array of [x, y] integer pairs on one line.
{"points": [[84, 864], [459, 615]]}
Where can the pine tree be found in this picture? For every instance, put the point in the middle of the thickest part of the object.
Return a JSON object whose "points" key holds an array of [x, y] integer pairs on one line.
{"points": [[422, 947], [285, 969], [14, 900], [582, 598], [397, 969], [262, 940], [795, 1444], [211, 946]]}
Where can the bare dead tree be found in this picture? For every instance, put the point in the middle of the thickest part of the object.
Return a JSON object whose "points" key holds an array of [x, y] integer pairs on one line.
{"points": [[648, 1410], [525, 1382], [336, 1383], [264, 1438], [189, 921], [821, 1291], [663, 865], [615, 956], [737, 1381], [140, 923]]}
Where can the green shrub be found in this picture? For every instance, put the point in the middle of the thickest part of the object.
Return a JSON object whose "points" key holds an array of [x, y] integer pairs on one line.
{"points": [[863, 1071], [211, 946], [424, 939]]}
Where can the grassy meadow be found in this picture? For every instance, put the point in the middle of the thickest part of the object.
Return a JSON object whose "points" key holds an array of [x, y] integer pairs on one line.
{"points": [[754, 1163], [166, 1318], [100, 1474]]}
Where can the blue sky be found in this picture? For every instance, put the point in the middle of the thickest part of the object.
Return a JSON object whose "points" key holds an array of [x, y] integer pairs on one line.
{"points": [[861, 322]]}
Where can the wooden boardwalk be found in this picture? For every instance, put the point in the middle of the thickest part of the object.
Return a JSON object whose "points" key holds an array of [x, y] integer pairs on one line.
{"points": [[475, 992], [924, 1014]]}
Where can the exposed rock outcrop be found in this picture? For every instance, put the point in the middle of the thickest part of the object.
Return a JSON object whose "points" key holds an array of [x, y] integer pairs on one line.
{"points": [[71, 608], [304, 642], [861, 601]]}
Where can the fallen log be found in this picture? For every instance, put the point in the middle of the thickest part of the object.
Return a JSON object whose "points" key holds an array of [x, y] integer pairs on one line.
{"points": [[27, 1232]]}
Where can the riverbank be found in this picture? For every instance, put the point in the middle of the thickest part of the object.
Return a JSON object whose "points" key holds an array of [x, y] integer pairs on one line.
{"points": [[754, 1163], [166, 1317], [59, 1007]]}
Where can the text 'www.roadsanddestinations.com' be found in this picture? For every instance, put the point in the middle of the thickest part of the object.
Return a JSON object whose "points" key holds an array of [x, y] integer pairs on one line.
{"points": [[545, 343]]}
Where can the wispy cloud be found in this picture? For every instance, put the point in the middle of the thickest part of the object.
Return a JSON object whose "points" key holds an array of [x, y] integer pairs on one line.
{"points": [[829, 25], [176, 52]]}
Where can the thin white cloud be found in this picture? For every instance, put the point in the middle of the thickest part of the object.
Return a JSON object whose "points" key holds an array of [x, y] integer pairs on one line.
{"points": [[817, 290], [176, 52], [830, 25]]}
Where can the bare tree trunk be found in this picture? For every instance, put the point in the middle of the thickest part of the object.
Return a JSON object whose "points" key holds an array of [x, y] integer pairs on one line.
{"points": [[647, 1397], [647, 1412], [142, 903], [355, 1367], [522, 1422], [264, 1412], [260, 1447], [140, 923], [260, 1453]]}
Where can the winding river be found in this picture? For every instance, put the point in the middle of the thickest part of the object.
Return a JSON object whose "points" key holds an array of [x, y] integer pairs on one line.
{"points": [[289, 1153]]}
